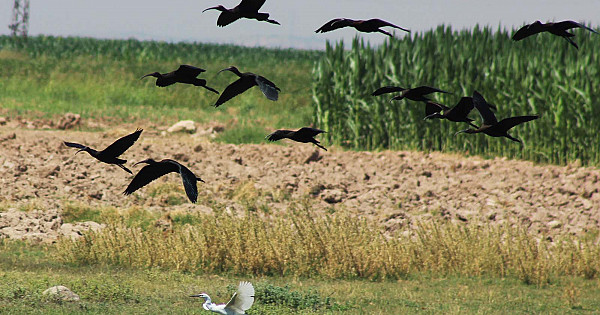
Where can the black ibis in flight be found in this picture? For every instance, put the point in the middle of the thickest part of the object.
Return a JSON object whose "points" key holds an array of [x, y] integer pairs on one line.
{"points": [[304, 135], [491, 126], [555, 28], [458, 113], [156, 169], [366, 26], [414, 94], [246, 81], [184, 74], [246, 9], [110, 155]]}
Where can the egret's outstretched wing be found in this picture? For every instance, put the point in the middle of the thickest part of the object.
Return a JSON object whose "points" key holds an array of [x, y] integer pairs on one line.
{"points": [[381, 23], [251, 5], [243, 299], [269, 89], [188, 71], [387, 89], [189, 183], [149, 173], [308, 132], [278, 135], [122, 144], [234, 89], [484, 110], [74, 145]]}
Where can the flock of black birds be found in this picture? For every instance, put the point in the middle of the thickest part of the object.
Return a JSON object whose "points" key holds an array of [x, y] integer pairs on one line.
{"points": [[248, 9]]}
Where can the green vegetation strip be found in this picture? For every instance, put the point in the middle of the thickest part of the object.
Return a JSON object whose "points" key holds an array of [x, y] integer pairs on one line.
{"points": [[27, 270], [48, 76], [540, 75]]}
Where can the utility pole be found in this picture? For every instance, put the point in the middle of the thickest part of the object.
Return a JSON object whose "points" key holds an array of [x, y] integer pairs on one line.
{"points": [[20, 20]]}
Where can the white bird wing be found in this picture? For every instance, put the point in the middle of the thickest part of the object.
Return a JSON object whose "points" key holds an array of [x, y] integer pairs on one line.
{"points": [[243, 299], [269, 89]]}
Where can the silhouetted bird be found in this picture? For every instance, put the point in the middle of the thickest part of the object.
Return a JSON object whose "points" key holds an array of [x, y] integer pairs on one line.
{"points": [[458, 113], [246, 81], [367, 26], [185, 74], [414, 94], [556, 28], [110, 155], [304, 135], [491, 126], [246, 9], [155, 170]]}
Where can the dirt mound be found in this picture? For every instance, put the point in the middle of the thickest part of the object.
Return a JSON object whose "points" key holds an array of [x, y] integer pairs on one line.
{"points": [[394, 188]]}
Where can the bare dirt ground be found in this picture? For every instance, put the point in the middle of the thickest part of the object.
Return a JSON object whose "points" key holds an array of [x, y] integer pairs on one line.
{"points": [[397, 189]]}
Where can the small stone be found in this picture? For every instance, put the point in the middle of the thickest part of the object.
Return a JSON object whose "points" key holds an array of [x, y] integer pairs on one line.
{"points": [[184, 125], [555, 224], [61, 293]]}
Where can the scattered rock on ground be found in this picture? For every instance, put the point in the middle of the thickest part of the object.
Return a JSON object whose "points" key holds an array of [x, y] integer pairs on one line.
{"points": [[68, 121], [61, 293], [184, 125]]}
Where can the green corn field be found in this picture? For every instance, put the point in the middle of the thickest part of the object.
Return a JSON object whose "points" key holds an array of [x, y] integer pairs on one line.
{"points": [[541, 75]]}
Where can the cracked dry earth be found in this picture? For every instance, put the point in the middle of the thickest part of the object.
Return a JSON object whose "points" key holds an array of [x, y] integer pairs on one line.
{"points": [[397, 189]]}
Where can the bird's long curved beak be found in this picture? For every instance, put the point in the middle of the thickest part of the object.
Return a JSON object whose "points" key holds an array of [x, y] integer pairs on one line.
{"points": [[461, 131], [144, 161], [226, 69], [195, 295], [200, 179], [147, 75], [211, 8], [80, 150]]}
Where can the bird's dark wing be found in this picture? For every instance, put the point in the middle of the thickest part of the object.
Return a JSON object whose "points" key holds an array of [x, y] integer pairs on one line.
{"points": [[226, 18], [269, 89], [334, 25], [307, 132], [484, 110], [188, 71], [381, 23], [121, 145], [510, 122], [234, 89], [149, 173], [528, 30], [189, 182], [422, 90], [74, 145], [464, 107], [387, 89], [278, 135], [251, 5], [567, 25], [432, 108]]}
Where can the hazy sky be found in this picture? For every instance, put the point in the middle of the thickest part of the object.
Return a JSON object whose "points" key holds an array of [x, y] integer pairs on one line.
{"points": [[183, 20]]}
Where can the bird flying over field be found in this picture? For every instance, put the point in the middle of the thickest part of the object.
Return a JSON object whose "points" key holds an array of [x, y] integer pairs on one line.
{"points": [[156, 169], [555, 28], [246, 81], [184, 74], [304, 135], [414, 94], [366, 26], [458, 113], [240, 302], [491, 126], [110, 155], [247, 9]]}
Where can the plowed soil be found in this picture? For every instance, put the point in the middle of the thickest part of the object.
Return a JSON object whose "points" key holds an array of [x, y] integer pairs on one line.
{"points": [[393, 188]]}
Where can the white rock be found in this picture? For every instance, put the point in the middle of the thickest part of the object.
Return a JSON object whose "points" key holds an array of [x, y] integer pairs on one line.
{"points": [[62, 293], [184, 125]]}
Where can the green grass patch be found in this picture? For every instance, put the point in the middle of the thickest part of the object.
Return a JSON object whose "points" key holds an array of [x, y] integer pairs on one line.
{"points": [[121, 290]]}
